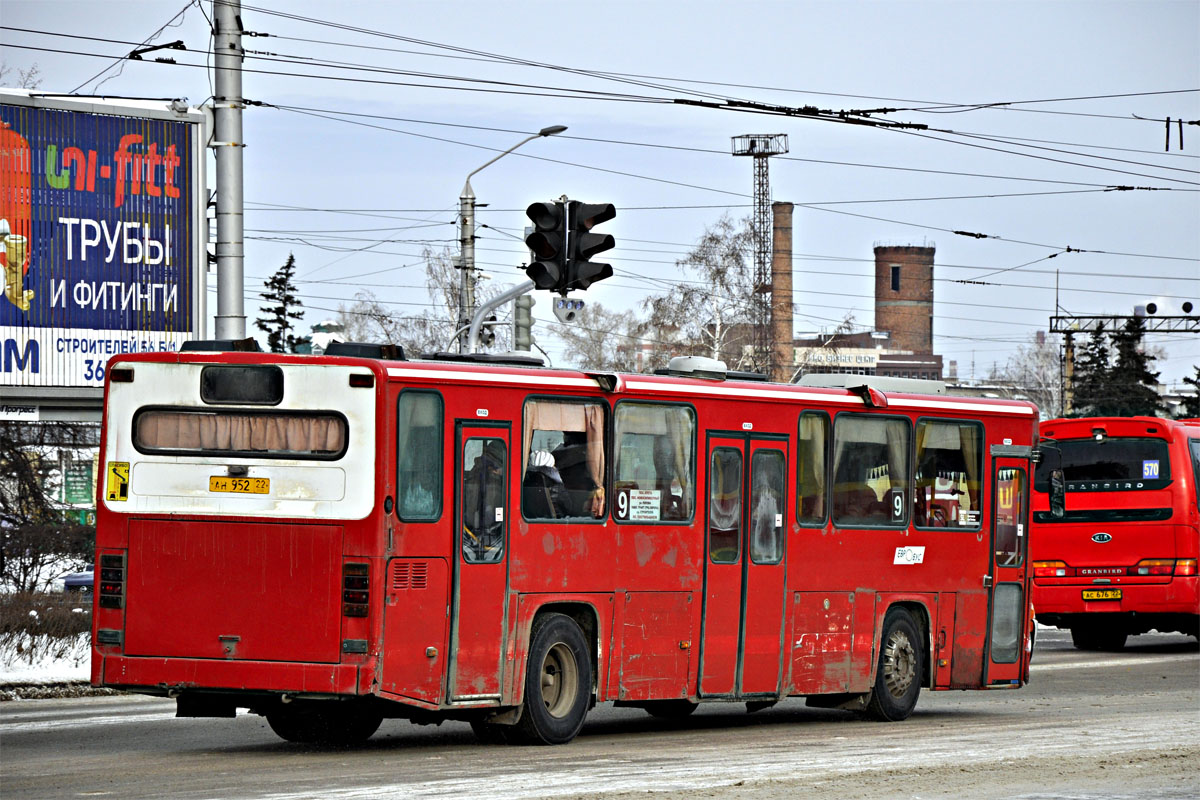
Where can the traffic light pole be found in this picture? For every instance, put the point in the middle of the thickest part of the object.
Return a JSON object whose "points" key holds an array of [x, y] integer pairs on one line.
{"points": [[466, 243], [466, 237], [485, 309]]}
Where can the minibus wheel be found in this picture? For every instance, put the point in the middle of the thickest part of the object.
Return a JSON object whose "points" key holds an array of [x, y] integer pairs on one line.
{"points": [[898, 678], [558, 682]]}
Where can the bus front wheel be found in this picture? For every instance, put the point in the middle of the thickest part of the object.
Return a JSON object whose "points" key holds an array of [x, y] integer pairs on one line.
{"points": [[898, 679], [558, 682]]}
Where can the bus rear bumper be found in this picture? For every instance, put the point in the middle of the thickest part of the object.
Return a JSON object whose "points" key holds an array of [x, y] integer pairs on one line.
{"points": [[1172, 606], [169, 676]]}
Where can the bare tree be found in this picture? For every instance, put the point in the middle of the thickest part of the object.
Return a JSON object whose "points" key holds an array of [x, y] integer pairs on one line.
{"points": [[429, 330], [26, 78], [38, 543], [708, 312], [1033, 371], [601, 339]]}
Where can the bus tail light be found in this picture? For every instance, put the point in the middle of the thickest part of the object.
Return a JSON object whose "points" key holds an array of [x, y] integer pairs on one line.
{"points": [[1185, 566], [1153, 566], [356, 590], [111, 591], [1051, 569]]}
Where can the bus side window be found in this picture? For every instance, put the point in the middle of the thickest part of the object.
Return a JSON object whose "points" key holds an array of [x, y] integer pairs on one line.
{"points": [[870, 470], [812, 456], [768, 480], [483, 506], [419, 456], [725, 505], [562, 465], [654, 474], [949, 467], [1010, 511]]}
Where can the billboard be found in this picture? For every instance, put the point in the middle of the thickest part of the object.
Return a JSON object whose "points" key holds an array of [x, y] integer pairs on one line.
{"points": [[102, 235]]}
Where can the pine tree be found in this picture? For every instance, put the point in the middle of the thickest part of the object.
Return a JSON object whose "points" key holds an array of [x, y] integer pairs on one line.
{"points": [[1132, 384], [287, 307], [1191, 405], [1093, 368]]}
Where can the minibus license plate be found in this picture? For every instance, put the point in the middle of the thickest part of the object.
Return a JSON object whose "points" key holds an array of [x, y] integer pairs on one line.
{"points": [[222, 483], [1101, 594]]}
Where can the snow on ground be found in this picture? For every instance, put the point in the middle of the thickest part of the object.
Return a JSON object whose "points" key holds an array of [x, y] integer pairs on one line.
{"points": [[41, 659]]}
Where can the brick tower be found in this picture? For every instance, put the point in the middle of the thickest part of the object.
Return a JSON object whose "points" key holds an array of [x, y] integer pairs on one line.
{"points": [[904, 295]]}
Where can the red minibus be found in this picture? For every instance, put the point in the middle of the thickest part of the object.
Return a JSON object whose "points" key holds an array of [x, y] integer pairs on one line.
{"points": [[1122, 558], [331, 540]]}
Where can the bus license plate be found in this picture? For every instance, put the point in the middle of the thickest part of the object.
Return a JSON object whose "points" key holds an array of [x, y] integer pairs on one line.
{"points": [[222, 483], [1101, 594]]}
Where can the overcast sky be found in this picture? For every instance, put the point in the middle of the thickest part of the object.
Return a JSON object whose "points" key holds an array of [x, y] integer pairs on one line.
{"points": [[667, 166]]}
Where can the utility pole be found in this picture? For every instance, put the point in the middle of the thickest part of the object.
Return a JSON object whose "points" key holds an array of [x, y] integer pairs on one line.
{"points": [[466, 244], [227, 145], [1068, 388]]}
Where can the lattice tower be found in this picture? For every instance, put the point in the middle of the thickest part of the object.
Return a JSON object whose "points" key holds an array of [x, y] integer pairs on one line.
{"points": [[761, 147]]}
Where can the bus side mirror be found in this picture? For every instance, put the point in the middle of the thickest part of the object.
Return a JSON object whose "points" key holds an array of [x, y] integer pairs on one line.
{"points": [[1058, 494]]}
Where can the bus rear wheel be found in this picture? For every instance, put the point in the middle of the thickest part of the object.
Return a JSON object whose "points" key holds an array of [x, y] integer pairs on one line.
{"points": [[901, 665], [1090, 636], [327, 723], [558, 682]]}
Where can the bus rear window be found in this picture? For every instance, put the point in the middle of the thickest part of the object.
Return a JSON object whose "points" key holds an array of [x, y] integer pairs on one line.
{"points": [[244, 385], [1120, 464], [262, 434]]}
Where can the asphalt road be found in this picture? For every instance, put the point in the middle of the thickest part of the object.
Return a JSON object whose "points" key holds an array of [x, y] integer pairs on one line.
{"points": [[1090, 725]]}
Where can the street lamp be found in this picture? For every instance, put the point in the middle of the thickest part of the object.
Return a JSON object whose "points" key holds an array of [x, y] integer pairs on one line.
{"points": [[466, 210]]}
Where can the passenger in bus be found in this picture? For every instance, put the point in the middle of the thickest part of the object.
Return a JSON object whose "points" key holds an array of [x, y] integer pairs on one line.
{"points": [[543, 495], [483, 505], [586, 497]]}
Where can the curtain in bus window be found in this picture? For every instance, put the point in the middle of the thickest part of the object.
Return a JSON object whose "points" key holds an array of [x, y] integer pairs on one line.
{"points": [[725, 505], [653, 455], [810, 467], [276, 433], [419, 456], [572, 436], [1010, 505], [767, 477], [870, 470], [948, 472]]}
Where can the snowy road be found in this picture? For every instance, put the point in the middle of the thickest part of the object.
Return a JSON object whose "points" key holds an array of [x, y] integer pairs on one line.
{"points": [[1123, 725]]}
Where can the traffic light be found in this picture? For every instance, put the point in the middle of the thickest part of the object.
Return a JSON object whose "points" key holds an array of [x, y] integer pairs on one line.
{"points": [[548, 267], [523, 322], [487, 331], [583, 244]]}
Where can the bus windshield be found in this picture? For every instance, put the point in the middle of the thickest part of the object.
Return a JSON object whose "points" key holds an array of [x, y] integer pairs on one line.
{"points": [[1124, 463]]}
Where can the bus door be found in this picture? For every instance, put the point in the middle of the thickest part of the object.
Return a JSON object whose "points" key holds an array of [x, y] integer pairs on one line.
{"points": [[741, 644], [481, 560], [1007, 603]]}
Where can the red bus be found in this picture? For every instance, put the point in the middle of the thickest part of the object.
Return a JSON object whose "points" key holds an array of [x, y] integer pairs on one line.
{"points": [[331, 540], [1122, 559]]}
